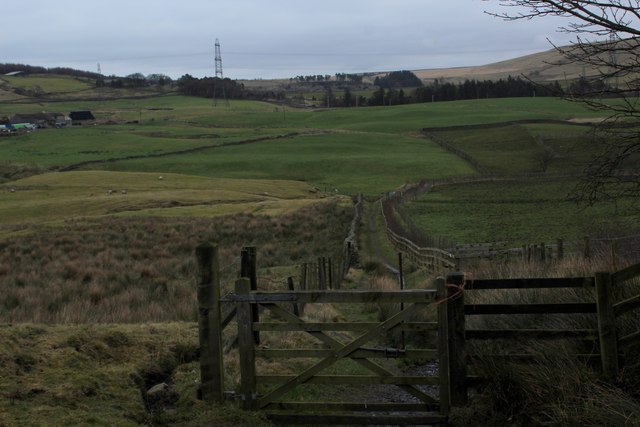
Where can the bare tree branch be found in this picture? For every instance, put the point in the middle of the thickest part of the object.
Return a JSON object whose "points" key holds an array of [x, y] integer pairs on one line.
{"points": [[608, 44]]}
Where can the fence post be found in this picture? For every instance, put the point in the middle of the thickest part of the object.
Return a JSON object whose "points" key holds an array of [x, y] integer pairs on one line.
{"points": [[607, 326], [249, 269], [444, 395], [456, 332], [560, 249], [321, 284], [209, 324], [291, 287], [303, 277], [401, 278], [587, 249], [246, 345]]}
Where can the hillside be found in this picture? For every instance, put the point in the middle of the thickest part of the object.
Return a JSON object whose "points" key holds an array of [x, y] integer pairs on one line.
{"points": [[542, 66]]}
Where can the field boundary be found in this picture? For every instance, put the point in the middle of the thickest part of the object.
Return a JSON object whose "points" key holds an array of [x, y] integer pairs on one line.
{"points": [[173, 153]]}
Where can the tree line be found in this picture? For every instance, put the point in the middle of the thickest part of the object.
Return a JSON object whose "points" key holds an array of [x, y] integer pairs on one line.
{"points": [[32, 69]]}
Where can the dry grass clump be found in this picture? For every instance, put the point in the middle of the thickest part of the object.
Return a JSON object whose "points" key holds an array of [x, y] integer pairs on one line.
{"points": [[557, 390], [143, 269]]}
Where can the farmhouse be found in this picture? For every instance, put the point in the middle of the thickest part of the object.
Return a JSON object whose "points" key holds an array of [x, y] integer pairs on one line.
{"points": [[41, 120]]}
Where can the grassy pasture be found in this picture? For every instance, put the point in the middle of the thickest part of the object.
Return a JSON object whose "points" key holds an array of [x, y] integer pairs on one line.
{"points": [[520, 211], [55, 197], [350, 162], [49, 83], [514, 211], [520, 149]]}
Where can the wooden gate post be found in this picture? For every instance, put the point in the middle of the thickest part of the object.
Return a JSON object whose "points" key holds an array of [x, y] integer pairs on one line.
{"points": [[456, 333], [607, 326], [249, 269], [209, 324], [246, 345], [444, 395]]}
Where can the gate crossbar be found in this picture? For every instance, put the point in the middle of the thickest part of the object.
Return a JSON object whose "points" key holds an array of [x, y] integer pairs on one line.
{"points": [[340, 351]]}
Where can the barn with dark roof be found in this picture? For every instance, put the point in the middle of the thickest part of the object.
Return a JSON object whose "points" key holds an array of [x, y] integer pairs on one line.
{"points": [[78, 117]]}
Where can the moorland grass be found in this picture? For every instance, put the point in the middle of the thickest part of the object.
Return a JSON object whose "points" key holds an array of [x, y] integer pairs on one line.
{"points": [[142, 269]]}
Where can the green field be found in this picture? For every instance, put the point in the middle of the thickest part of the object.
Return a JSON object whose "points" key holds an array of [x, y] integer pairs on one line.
{"points": [[348, 151], [518, 212]]}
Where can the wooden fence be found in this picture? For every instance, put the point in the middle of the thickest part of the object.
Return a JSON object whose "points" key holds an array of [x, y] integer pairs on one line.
{"points": [[430, 258], [606, 333]]}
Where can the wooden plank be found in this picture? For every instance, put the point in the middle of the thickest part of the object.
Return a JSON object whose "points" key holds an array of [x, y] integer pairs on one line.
{"points": [[627, 305], [209, 325], [246, 344], [357, 418], [484, 334], [336, 296], [523, 358], [351, 379], [561, 282], [626, 274], [228, 318], [477, 309], [349, 406], [338, 326], [607, 326], [339, 353], [361, 353], [334, 344]]}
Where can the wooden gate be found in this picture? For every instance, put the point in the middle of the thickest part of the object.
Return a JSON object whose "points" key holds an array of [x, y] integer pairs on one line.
{"points": [[362, 344]]}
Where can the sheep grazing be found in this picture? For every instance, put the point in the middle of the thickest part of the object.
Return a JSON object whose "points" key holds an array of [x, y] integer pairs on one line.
{"points": [[161, 177], [109, 192], [124, 191]]}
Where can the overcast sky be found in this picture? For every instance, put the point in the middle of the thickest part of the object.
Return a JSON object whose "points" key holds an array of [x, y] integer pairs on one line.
{"points": [[264, 38]]}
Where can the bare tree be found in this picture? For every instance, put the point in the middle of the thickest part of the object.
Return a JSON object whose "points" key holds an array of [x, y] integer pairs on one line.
{"points": [[607, 42]]}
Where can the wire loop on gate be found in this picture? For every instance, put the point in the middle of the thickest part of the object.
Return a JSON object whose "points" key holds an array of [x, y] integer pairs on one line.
{"points": [[459, 289]]}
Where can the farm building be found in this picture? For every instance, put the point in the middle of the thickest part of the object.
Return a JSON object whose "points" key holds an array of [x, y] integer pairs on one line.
{"points": [[16, 73], [78, 117], [41, 119]]}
